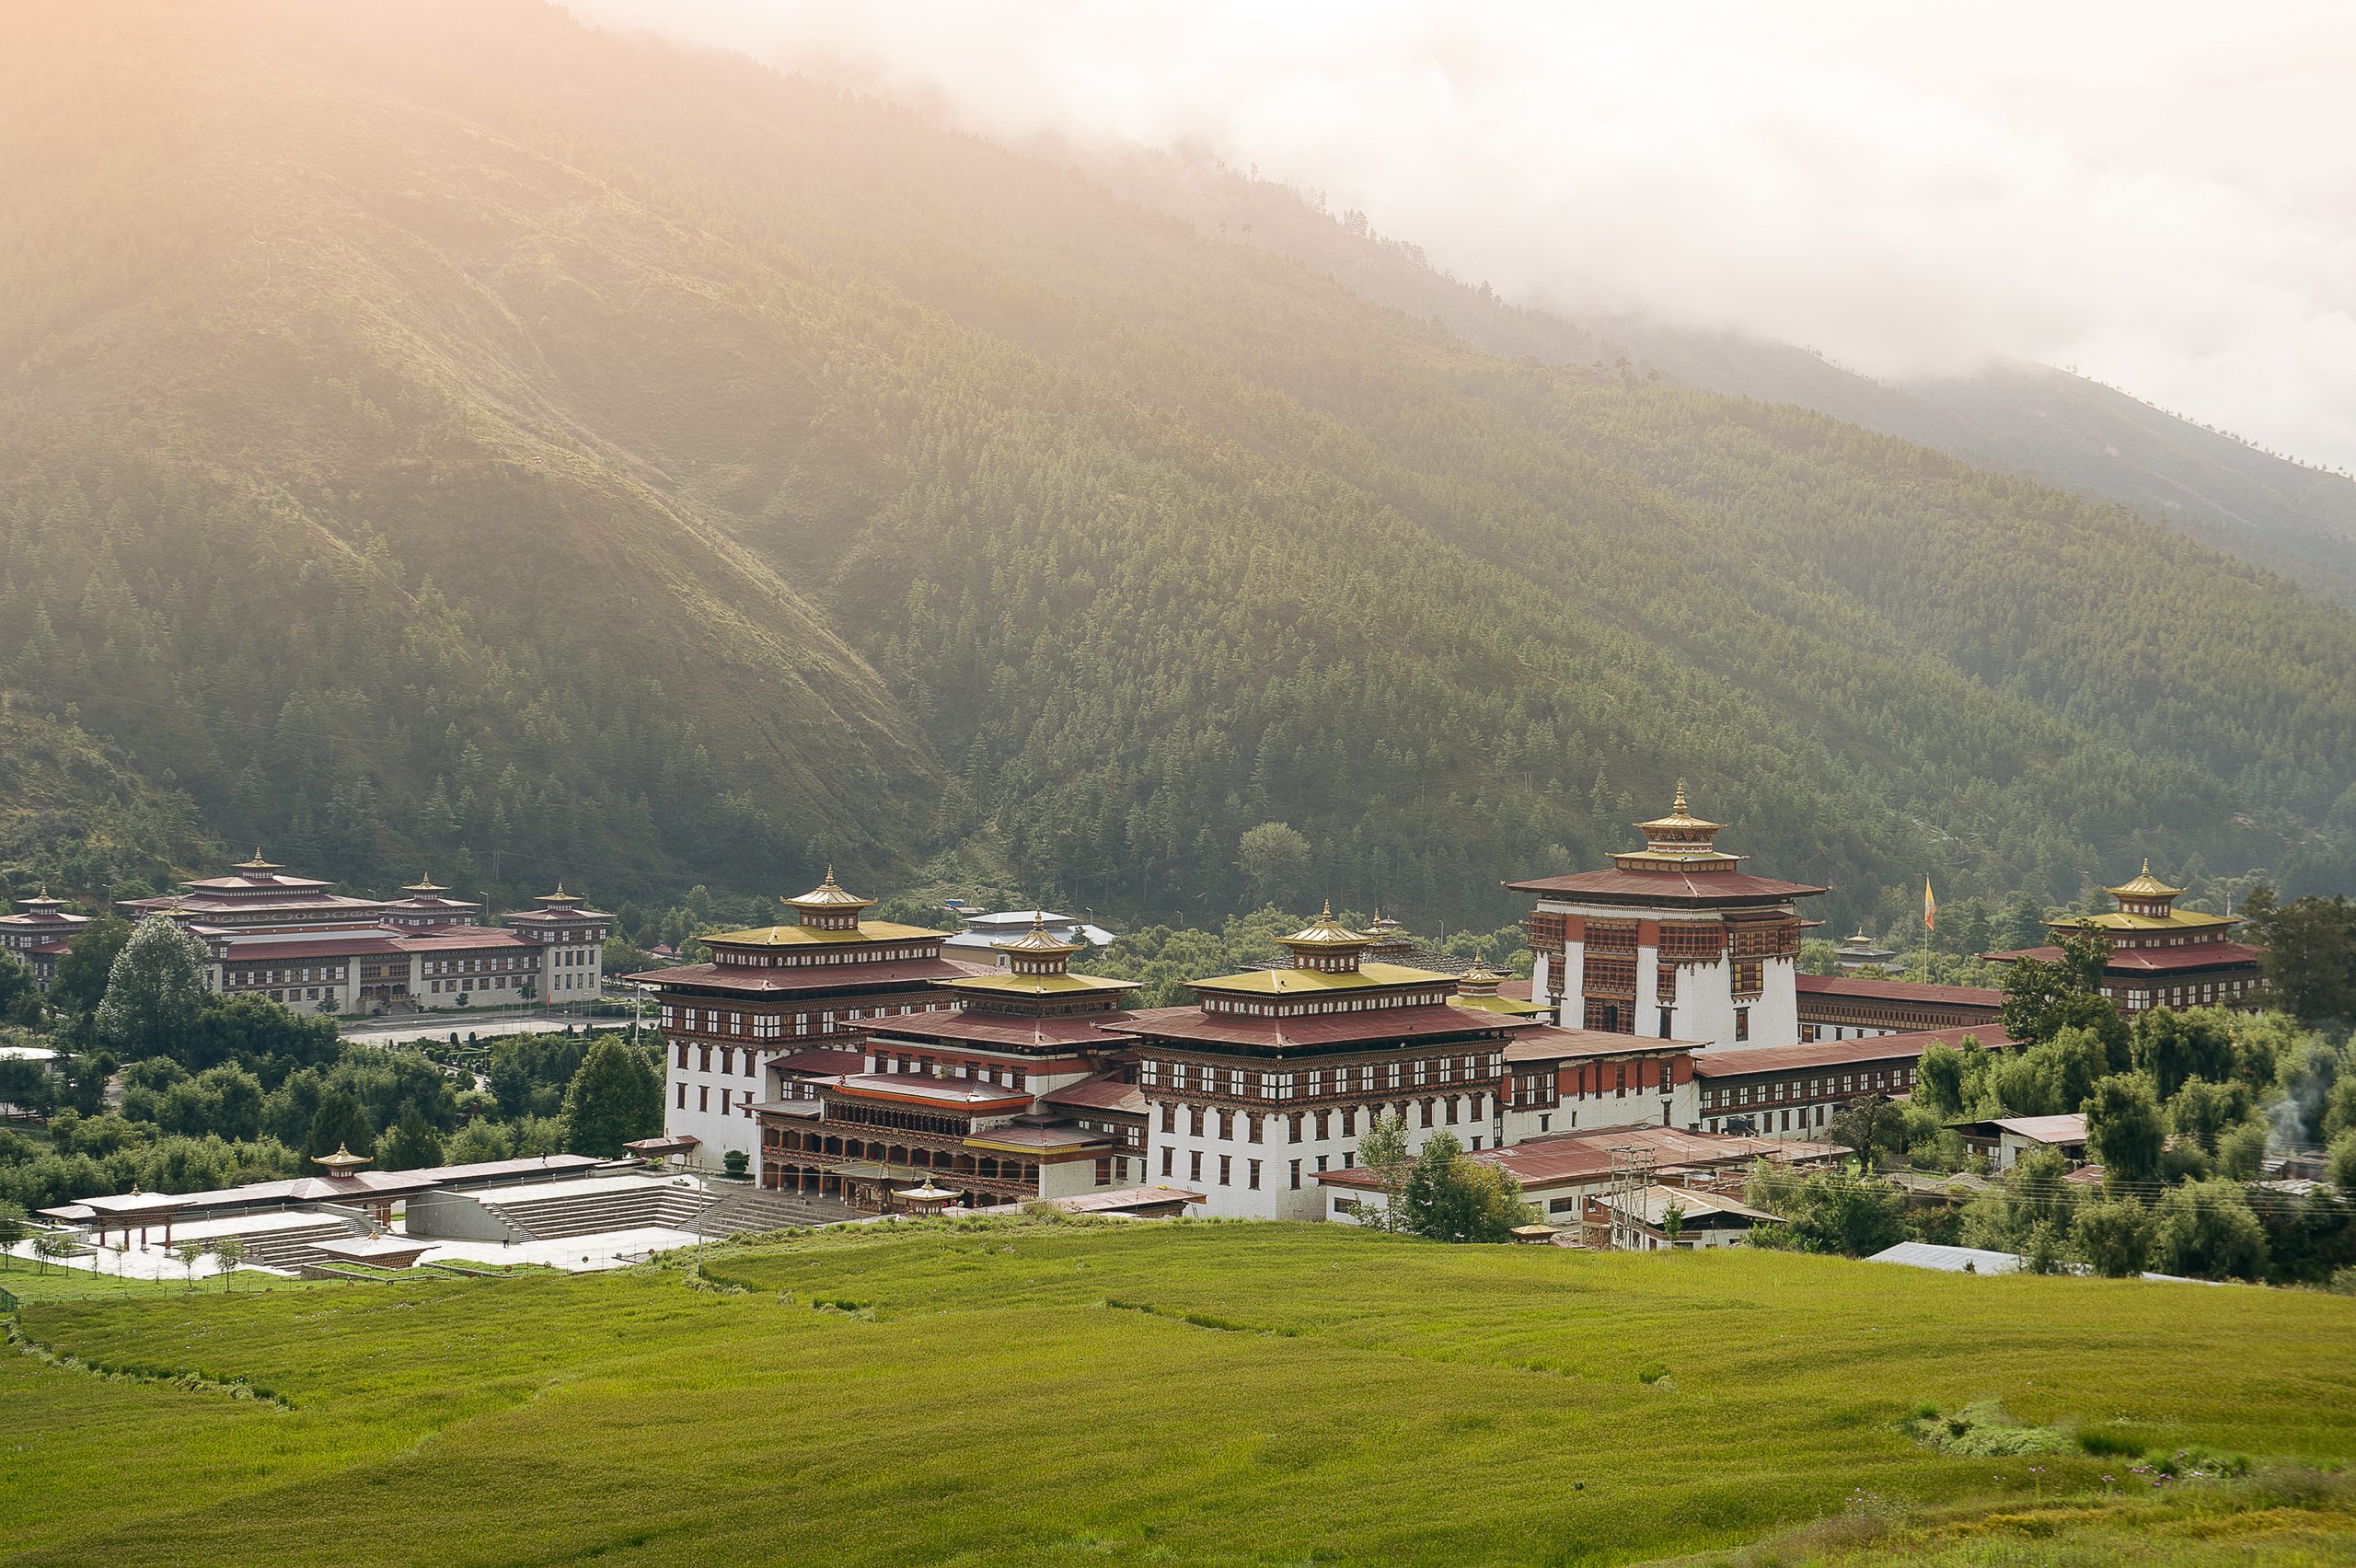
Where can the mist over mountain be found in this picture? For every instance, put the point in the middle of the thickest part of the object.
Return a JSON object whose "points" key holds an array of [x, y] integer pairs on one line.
{"points": [[445, 435]]}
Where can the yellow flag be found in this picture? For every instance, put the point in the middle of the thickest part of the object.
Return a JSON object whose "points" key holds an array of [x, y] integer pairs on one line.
{"points": [[1930, 907]]}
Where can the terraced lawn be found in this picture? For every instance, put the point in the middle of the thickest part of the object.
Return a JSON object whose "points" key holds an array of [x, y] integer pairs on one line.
{"points": [[1073, 1393]]}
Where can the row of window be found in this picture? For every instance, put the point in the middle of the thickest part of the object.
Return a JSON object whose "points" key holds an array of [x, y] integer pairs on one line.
{"points": [[1218, 1004], [742, 958], [1317, 1083], [1887, 1080], [771, 1025], [323, 972], [1200, 1118]]}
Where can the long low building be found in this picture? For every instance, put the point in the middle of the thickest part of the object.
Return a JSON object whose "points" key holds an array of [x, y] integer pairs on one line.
{"points": [[1795, 1090], [1847, 1007]]}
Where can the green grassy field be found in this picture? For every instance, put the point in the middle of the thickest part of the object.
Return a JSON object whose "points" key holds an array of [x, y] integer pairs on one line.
{"points": [[1207, 1393]]}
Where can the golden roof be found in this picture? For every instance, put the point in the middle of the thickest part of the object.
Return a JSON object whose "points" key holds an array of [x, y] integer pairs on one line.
{"points": [[257, 863], [2145, 885], [828, 894], [794, 936], [1039, 939], [1287, 982], [1680, 817], [342, 1163], [1006, 983], [426, 883], [558, 896], [1326, 932]]}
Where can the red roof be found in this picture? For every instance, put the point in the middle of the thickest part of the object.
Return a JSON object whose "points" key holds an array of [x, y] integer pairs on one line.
{"points": [[1548, 1043], [757, 981], [1745, 1060], [1669, 887], [821, 1063], [456, 939], [1106, 1091], [970, 1094], [2159, 961], [1376, 1026], [1009, 1030], [329, 946], [1900, 991]]}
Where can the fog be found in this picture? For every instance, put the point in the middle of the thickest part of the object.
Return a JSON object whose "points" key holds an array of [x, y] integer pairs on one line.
{"points": [[2160, 196]]}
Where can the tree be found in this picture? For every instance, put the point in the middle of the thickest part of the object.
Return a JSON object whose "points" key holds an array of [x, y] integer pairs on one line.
{"points": [[1874, 1128], [190, 1254], [2042, 997], [2201, 1110], [2172, 1046], [2113, 1237], [229, 1252], [20, 993], [1274, 859], [2340, 1162], [2021, 923], [155, 991], [2052, 1078], [340, 1123], [614, 1098], [1451, 1198], [2206, 1229], [2241, 1149], [1947, 1079], [1383, 1151], [412, 1145], [89, 959], [13, 1228], [2310, 953], [50, 1246], [2124, 1130], [1845, 1212], [263, 1036]]}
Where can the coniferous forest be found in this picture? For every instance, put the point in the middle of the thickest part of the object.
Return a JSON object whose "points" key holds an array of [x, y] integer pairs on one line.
{"points": [[443, 437]]}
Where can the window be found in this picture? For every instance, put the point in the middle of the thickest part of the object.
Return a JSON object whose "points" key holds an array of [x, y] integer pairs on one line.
{"points": [[703, 1096], [683, 1088], [1194, 1166], [1167, 1155], [1296, 1175], [1349, 1121], [1227, 1126], [1427, 1112], [1254, 1123], [1105, 1171], [1251, 1175], [1226, 1170], [1294, 1125], [1742, 1023], [1169, 1119], [1324, 1127]]}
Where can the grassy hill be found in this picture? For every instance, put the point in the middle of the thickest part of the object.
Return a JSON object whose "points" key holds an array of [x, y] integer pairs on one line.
{"points": [[1255, 1394], [435, 431]]}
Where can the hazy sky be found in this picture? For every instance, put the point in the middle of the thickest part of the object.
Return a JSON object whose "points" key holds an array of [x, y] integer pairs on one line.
{"points": [[2160, 195]]}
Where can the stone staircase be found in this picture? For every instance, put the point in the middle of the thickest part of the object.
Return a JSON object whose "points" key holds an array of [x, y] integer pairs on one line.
{"points": [[551, 1217], [291, 1248], [753, 1210]]}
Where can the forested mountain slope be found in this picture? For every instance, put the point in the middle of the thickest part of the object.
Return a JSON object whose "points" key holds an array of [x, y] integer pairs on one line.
{"points": [[2026, 418], [438, 428]]}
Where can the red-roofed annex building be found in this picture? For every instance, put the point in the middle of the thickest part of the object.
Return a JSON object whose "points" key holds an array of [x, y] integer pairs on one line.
{"points": [[1275, 1074], [290, 940], [1019, 1089], [1676, 940], [771, 997], [2162, 956]]}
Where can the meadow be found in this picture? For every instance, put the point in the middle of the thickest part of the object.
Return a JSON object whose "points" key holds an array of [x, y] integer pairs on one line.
{"points": [[1066, 1393]]}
